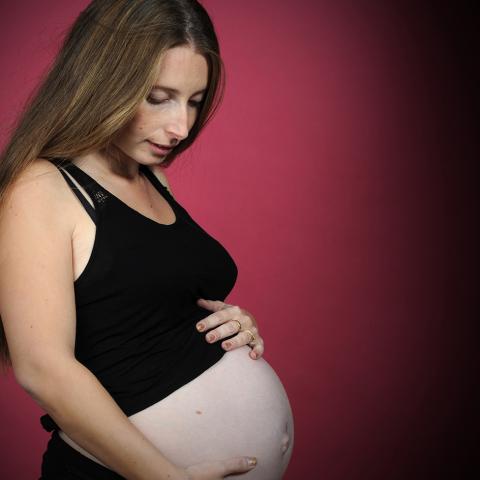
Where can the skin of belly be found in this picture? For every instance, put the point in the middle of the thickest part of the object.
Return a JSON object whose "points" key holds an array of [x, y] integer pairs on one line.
{"points": [[237, 407]]}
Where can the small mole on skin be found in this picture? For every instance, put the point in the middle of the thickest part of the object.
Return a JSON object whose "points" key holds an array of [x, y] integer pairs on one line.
{"points": [[198, 411]]}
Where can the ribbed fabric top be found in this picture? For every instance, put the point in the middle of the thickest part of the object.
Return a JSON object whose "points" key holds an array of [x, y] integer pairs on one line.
{"points": [[136, 298]]}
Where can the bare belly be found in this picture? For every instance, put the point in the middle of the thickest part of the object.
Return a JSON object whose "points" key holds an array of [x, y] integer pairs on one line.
{"points": [[236, 407]]}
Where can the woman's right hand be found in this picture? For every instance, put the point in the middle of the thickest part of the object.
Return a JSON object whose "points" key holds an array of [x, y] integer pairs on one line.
{"points": [[219, 469]]}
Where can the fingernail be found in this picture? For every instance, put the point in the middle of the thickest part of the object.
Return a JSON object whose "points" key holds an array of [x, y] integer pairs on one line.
{"points": [[200, 327], [254, 355], [252, 462], [228, 345], [210, 338]]}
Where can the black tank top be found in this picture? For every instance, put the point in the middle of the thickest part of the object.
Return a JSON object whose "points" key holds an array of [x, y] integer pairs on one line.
{"points": [[136, 298]]}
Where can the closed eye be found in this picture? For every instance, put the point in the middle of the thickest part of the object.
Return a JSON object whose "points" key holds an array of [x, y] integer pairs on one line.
{"points": [[153, 101]]}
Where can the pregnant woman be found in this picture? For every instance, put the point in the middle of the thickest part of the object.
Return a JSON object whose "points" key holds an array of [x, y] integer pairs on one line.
{"points": [[109, 289]]}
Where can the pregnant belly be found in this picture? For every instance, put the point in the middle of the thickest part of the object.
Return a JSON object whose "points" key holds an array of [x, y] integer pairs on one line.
{"points": [[237, 407]]}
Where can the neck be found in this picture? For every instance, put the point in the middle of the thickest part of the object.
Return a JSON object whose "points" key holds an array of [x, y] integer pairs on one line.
{"points": [[115, 164]]}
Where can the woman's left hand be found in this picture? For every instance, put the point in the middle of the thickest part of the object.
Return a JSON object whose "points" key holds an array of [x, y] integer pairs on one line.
{"points": [[230, 319]]}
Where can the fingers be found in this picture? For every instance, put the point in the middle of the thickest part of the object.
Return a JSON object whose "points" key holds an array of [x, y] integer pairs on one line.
{"points": [[257, 350], [239, 464], [233, 312], [221, 469], [213, 305], [225, 330], [226, 318], [243, 338]]}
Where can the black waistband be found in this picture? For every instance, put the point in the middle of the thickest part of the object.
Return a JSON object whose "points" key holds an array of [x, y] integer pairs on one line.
{"points": [[48, 423]]}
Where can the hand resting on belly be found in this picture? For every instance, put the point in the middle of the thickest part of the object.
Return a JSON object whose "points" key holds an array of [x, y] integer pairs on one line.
{"points": [[237, 407]]}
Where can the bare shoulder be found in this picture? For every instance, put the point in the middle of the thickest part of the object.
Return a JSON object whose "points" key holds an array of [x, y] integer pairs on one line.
{"points": [[159, 172], [38, 193], [39, 179], [39, 170]]}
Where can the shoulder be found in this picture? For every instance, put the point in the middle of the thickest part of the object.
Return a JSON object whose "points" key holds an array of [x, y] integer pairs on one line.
{"points": [[40, 177], [159, 172], [38, 191]]}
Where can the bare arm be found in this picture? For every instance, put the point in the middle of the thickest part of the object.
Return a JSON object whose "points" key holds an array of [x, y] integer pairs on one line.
{"points": [[37, 306], [85, 411]]}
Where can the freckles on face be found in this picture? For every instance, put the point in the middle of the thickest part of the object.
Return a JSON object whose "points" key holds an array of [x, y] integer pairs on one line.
{"points": [[139, 126], [172, 105]]}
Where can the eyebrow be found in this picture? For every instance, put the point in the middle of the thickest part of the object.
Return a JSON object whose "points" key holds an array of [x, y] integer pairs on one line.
{"points": [[174, 90]]}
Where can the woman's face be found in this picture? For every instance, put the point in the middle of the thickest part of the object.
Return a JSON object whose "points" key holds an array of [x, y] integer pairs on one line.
{"points": [[168, 113]]}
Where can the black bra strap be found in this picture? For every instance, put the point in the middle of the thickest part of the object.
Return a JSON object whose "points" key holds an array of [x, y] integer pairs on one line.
{"points": [[90, 210]]}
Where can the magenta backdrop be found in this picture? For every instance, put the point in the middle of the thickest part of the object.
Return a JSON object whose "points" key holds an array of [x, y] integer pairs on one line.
{"points": [[336, 175]]}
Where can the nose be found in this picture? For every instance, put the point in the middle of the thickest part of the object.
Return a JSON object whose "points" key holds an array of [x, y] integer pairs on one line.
{"points": [[178, 126]]}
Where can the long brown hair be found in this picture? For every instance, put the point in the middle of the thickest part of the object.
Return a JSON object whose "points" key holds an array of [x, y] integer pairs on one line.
{"points": [[104, 69]]}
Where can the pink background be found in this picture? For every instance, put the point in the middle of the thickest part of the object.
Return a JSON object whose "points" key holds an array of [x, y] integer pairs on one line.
{"points": [[337, 174]]}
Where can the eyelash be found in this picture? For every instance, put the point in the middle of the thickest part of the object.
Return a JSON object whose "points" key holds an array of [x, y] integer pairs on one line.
{"points": [[194, 103]]}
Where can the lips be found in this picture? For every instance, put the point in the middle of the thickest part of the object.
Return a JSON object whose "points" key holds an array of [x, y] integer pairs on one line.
{"points": [[160, 149], [165, 147]]}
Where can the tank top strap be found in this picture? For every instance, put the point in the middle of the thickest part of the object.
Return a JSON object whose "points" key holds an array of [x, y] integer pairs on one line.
{"points": [[90, 210], [180, 212], [91, 186], [155, 181]]}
